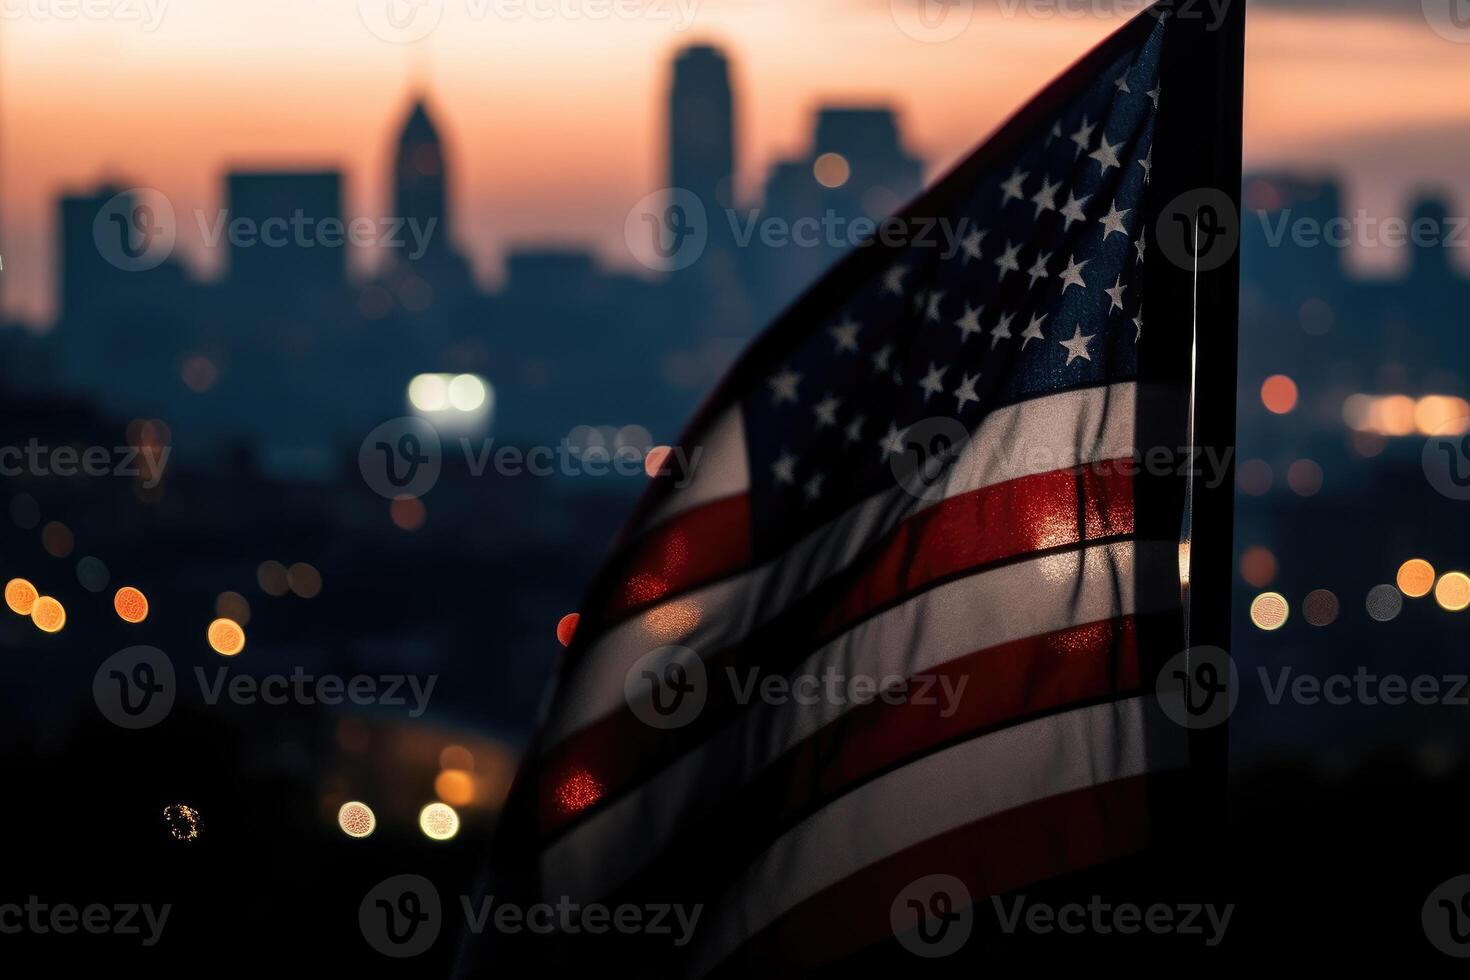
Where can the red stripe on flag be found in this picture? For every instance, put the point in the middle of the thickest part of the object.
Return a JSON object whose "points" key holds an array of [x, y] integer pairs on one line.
{"points": [[689, 550], [1030, 514]]}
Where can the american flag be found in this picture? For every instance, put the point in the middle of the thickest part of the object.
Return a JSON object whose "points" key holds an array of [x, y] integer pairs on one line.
{"points": [[892, 625]]}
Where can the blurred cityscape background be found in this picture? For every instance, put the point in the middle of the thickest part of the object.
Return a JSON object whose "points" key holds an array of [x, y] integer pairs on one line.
{"points": [[247, 394]]}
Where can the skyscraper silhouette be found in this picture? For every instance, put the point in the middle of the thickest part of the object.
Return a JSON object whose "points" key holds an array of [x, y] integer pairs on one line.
{"points": [[702, 133], [421, 197]]}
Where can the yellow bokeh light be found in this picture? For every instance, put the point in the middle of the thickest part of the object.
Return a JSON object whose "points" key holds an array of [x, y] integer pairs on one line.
{"points": [[130, 604], [1269, 611], [20, 596], [455, 787], [1452, 591], [1415, 578], [48, 614], [439, 821], [356, 819], [226, 637]]}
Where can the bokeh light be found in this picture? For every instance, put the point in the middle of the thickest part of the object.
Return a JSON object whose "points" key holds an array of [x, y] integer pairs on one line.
{"points": [[1258, 566], [456, 757], [439, 821], [20, 596], [92, 573], [232, 605], [1254, 477], [226, 637], [566, 628], [130, 604], [356, 819], [1452, 591], [429, 392], [1279, 394], [1269, 611], [455, 787], [407, 513], [1384, 603], [1304, 477], [182, 821], [653, 463], [1320, 607], [304, 580], [57, 539], [272, 578], [831, 170], [578, 791], [48, 614], [466, 392], [1415, 578]]}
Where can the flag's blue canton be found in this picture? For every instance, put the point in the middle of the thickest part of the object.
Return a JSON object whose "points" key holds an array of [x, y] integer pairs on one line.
{"points": [[1041, 294]]}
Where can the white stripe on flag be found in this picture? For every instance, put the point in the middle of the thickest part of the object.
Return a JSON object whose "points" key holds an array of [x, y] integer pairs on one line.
{"points": [[722, 470]]}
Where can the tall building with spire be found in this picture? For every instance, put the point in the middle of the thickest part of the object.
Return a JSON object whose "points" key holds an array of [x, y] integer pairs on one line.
{"points": [[421, 196]]}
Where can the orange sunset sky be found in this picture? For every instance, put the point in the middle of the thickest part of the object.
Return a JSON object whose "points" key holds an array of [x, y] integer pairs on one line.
{"points": [[555, 122]]}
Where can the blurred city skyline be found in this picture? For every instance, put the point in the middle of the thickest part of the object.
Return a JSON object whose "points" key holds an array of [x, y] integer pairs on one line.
{"points": [[584, 152]]}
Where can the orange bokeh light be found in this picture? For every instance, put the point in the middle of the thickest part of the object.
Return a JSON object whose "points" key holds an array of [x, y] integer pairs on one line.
{"points": [[407, 513], [1415, 578], [48, 614], [226, 637], [1279, 394], [566, 628], [1258, 566], [130, 604], [20, 596]]}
